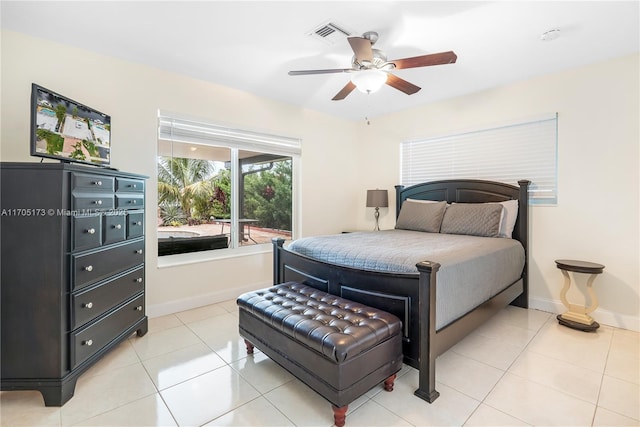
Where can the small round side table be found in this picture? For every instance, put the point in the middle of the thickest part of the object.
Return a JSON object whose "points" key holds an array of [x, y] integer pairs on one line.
{"points": [[577, 316]]}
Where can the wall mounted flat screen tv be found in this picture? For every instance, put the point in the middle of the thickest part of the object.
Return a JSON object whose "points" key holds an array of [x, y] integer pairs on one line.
{"points": [[67, 130]]}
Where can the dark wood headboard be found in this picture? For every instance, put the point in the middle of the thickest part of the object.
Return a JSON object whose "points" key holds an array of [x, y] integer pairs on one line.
{"points": [[474, 191]]}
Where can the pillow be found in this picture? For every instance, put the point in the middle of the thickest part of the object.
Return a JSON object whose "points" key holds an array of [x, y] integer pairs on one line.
{"points": [[474, 219], [509, 216], [417, 215]]}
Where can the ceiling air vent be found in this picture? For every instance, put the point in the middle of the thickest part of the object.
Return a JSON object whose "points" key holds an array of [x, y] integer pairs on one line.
{"points": [[329, 33]]}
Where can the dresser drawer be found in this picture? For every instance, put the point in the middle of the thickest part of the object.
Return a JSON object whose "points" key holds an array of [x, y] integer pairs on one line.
{"points": [[89, 340], [115, 228], [135, 225], [129, 185], [87, 232], [130, 201], [89, 304], [94, 266], [85, 182], [92, 202]]}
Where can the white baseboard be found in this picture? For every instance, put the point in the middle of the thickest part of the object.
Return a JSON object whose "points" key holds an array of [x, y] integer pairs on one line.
{"points": [[157, 310], [603, 317]]}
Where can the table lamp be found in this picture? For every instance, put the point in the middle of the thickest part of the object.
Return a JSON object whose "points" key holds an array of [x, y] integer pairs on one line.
{"points": [[377, 199]]}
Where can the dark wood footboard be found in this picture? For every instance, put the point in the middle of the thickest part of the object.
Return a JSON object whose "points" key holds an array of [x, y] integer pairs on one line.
{"points": [[394, 293]]}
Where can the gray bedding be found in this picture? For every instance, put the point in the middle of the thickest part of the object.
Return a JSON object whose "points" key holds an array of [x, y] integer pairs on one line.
{"points": [[473, 269]]}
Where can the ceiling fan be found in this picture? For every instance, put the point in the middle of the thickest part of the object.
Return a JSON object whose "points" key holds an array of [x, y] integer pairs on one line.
{"points": [[370, 67]]}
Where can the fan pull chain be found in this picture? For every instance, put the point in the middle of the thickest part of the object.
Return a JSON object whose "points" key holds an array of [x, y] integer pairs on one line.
{"points": [[368, 108]]}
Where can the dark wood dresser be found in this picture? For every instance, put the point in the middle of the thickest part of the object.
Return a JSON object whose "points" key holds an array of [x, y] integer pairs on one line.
{"points": [[72, 272]]}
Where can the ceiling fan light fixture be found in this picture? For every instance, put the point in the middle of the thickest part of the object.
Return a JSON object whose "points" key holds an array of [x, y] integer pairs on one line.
{"points": [[369, 81]]}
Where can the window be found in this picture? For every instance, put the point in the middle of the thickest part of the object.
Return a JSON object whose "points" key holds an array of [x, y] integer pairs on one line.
{"points": [[506, 154], [222, 188]]}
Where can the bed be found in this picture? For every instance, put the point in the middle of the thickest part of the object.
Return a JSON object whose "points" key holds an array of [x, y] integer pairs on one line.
{"points": [[411, 293]]}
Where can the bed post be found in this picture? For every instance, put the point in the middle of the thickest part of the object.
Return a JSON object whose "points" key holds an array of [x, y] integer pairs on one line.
{"points": [[427, 331], [399, 189], [523, 235], [277, 246]]}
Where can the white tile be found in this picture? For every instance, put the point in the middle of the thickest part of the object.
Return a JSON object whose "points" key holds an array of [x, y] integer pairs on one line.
{"points": [[261, 372], [495, 352], [537, 404], [161, 323], [220, 333], [620, 396], [451, 408], [230, 305], [466, 375], [201, 313], [121, 355], [26, 408], [558, 374], [507, 332], [523, 318], [607, 418], [100, 393], [208, 396], [372, 414], [172, 368], [257, 413], [300, 404], [490, 417], [623, 361], [148, 411], [156, 344], [585, 349]]}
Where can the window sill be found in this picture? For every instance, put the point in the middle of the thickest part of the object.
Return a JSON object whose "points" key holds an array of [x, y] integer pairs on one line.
{"points": [[213, 255]]}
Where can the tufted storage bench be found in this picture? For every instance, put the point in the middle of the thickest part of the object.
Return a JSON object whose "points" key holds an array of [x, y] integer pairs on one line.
{"points": [[339, 348]]}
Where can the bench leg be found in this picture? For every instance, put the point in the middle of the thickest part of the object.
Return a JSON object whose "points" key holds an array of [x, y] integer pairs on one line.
{"points": [[388, 383], [249, 347], [339, 415]]}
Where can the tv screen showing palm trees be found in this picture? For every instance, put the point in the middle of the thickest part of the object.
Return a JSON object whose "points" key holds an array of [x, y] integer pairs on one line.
{"points": [[66, 130]]}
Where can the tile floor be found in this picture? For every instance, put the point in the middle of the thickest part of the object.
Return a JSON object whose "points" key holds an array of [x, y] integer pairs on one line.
{"points": [[191, 369]]}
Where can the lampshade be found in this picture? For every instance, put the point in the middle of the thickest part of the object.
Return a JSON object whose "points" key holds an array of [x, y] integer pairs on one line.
{"points": [[377, 199], [369, 81]]}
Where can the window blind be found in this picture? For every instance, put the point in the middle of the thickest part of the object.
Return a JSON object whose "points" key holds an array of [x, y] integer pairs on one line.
{"points": [[199, 132], [507, 154]]}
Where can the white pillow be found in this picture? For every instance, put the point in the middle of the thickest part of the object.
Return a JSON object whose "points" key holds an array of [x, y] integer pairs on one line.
{"points": [[509, 217]]}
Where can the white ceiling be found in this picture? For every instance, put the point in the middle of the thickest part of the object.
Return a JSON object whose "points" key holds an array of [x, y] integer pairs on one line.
{"points": [[251, 45]]}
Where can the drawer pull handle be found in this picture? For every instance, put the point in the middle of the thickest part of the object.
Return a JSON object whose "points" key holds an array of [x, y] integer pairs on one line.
{"points": [[91, 231], [132, 186], [88, 268], [98, 202], [139, 308], [98, 183], [139, 280], [117, 226], [133, 201], [139, 251], [88, 305], [139, 223], [88, 343]]}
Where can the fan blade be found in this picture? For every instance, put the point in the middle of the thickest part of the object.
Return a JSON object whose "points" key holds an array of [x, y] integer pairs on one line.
{"points": [[402, 85], [426, 60], [344, 92], [362, 48], [327, 71]]}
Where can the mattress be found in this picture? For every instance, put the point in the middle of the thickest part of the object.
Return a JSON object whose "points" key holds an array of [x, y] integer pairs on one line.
{"points": [[472, 269]]}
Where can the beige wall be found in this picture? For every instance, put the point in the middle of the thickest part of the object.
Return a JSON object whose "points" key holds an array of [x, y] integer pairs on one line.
{"points": [[132, 95], [596, 217]]}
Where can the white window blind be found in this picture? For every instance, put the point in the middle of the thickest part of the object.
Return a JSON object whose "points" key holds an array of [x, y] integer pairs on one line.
{"points": [[506, 154], [196, 132]]}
